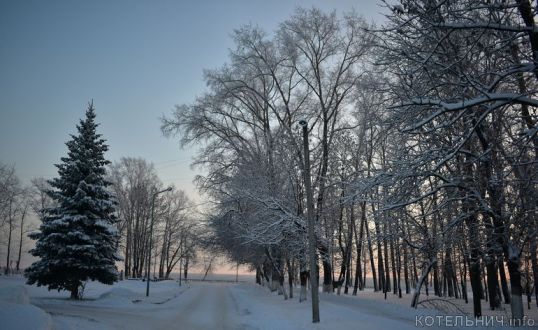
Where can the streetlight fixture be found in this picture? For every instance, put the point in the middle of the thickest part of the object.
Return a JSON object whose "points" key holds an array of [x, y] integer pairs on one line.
{"points": [[310, 216], [151, 235]]}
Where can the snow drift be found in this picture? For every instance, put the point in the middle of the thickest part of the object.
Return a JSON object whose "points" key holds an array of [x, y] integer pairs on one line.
{"points": [[17, 313]]}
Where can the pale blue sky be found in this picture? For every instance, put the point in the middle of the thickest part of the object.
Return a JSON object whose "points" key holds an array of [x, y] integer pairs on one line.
{"points": [[136, 59]]}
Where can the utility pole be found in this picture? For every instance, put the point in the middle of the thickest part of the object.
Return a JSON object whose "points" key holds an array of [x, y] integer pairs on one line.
{"points": [[151, 236], [311, 233]]}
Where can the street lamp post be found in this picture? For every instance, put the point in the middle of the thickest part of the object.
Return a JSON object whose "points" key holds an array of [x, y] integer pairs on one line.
{"points": [[311, 234], [151, 236]]}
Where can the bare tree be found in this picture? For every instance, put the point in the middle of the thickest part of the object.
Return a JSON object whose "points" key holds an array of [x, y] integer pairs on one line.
{"points": [[178, 231], [10, 193], [24, 208], [134, 181], [464, 92]]}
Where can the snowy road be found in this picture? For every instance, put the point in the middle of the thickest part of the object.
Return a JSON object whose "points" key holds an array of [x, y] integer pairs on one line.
{"points": [[204, 307], [207, 306], [201, 305], [215, 306]]}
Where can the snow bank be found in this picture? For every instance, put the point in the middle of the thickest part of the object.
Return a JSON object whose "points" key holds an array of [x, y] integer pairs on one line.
{"points": [[117, 297], [14, 294], [17, 313], [260, 309], [23, 317], [118, 292]]}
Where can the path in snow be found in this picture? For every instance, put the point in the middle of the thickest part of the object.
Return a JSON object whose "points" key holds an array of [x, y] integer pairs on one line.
{"points": [[211, 306], [206, 306]]}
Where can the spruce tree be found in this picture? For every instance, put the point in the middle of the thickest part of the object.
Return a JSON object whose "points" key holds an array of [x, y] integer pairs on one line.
{"points": [[78, 237]]}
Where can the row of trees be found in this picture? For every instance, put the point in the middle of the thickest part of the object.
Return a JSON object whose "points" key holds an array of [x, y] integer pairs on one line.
{"points": [[176, 231], [423, 149], [13, 210], [134, 181], [18, 205]]}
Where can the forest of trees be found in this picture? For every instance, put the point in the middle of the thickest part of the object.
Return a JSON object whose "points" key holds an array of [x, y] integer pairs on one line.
{"points": [[177, 233], [16, 203], [423, 158], [19, 205], [41, 209], [423, 150]]}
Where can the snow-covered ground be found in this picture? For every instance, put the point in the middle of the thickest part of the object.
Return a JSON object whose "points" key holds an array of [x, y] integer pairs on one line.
{"points": [[196, 305]]}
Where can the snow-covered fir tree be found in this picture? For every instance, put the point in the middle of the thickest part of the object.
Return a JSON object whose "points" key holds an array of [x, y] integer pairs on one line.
{"points": [[78, 238]]}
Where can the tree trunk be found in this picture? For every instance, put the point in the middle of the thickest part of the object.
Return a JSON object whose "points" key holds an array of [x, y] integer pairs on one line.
{"points": [[23, 215], [399, 264], [291, 270], [406, 262], [280, 277], [474, 265], [420, 282], [358, 242], [449, 272], [8, 248], [127, 262], [303, 276], [327, 269], [393, 260], [10, 228], [463, 274], [258, 275], [386, 252], [415, 272], [516, 301], [492, 282], [75, 292], [371, 255], [534, 264], [349, 249], [380, 268], [186, 267]]}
